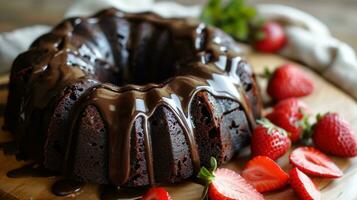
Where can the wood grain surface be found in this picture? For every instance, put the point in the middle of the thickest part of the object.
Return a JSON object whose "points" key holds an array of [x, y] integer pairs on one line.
{"points": [[326, 97]]}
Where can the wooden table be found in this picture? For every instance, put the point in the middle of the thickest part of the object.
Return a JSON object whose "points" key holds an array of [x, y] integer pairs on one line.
{"points": [[325, 98], [340, 16]]}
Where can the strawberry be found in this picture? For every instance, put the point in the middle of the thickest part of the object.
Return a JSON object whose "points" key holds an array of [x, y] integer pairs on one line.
{"points": [[225, 184], [313, 162], [264, 174], [290, 114], [333, 135], [270, 38], [269, 140], [289, 81], [156, 193], [303, 185]]}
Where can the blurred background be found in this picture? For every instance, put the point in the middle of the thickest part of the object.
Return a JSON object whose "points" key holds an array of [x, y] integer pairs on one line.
{"points": [[340, 16]]}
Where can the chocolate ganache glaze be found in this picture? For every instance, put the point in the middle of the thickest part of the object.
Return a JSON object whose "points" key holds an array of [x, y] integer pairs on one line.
{"points": [[131, 99]]}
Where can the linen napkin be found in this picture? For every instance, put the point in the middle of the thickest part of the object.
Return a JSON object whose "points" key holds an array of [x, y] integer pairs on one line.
{"points": [[309, 41]]}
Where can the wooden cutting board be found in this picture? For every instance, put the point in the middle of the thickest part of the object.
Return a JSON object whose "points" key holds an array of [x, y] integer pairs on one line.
{"points": [[326, 97]]}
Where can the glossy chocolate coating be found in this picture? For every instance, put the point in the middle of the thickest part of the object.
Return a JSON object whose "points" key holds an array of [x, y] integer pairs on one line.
{"points": [[138, 62]]}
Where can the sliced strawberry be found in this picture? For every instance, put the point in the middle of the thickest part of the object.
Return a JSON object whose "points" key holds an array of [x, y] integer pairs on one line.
{"points": [[228, 184], [157, 193], [225, 184], [313, 162], [265, 174], [303, 185]]}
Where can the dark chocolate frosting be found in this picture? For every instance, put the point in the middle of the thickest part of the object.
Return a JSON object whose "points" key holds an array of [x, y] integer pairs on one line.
{"points": [[139, 62]]}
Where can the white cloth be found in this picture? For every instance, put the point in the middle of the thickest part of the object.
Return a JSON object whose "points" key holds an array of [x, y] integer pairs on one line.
{"points": [[309, 41]]}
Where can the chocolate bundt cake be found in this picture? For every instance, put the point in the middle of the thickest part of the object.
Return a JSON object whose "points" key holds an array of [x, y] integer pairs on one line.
{"points": [[131, 99]]}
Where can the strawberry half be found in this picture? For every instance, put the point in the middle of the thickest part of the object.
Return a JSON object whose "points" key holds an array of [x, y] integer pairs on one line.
{"points": [[303, 185], [265, 174], [289, 81], [291, 115], [225, 184], [269, 140], [156, 193], [313, 162], [333, 135]]}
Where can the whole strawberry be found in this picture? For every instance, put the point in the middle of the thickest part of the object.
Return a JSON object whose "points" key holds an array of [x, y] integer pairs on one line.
{"points": [[289, 81], [269, 140], [333, 135], [271, 38], [291, 115], [225, 184]]}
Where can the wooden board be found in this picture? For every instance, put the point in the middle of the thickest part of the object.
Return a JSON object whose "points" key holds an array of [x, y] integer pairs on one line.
{"points": [[326, 97]]}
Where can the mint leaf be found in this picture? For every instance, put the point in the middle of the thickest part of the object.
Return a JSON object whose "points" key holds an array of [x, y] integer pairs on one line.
{"points": [[235, 17]]}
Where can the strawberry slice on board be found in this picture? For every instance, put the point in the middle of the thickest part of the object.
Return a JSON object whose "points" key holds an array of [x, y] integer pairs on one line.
{"points": [[226, 184], [156, 193], [265, 174], [303, 185], [313, 162]]}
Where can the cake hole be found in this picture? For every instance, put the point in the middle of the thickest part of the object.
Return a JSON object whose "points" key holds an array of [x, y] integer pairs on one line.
{"points": [[120, 36], [184, 159], [179, 165], [212, 133], [234, 125], [130, 51], [73, 97]]}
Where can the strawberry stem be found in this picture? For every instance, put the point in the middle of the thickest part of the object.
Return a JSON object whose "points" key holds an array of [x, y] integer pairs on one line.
{"points": [[267, 73], [213, 164], [270, 126], [207, 175]]}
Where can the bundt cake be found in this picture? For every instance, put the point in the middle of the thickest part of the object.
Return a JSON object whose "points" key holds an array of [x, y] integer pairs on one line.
{"points": [[131, 99]]}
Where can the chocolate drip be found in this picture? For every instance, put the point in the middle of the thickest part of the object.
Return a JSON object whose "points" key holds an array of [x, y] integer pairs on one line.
{"points": [[31, 170], [66, 187], [190, 58]]}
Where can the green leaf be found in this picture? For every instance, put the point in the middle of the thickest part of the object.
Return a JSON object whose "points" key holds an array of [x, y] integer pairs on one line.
{"points": [[205, 175], [235, 18], [267, 73], [248, 12], [213, 164], [270, 126], [241, 31]]}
